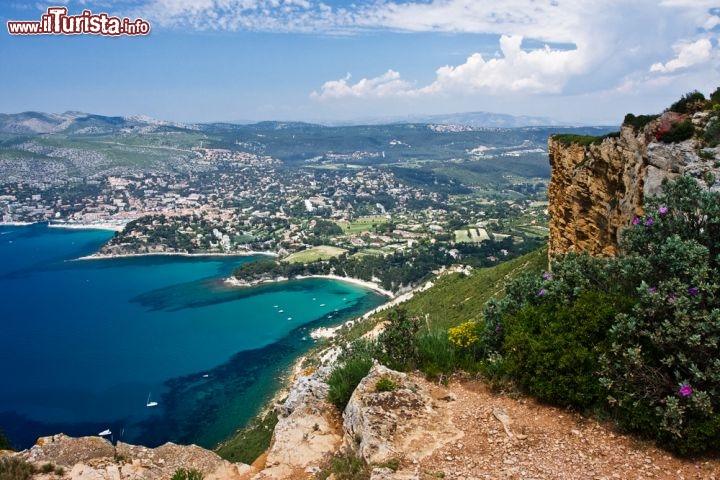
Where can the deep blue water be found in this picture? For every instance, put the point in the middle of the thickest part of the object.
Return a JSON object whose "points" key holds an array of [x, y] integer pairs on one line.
{"points": [[84, 343]]}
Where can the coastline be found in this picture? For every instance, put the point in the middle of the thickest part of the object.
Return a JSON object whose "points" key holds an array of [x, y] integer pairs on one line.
{"points": [[115, 227], [355, 281], [16, 224], [100, 256]]}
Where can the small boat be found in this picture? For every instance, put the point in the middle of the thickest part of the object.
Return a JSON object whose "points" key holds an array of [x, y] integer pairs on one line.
{"points": [[281, 311], [289, 318], [149, 403], [206, 375], [105, 432], [322, 304]]}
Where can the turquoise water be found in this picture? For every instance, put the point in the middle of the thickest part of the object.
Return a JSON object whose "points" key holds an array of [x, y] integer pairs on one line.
{"points": [[84, 343]]}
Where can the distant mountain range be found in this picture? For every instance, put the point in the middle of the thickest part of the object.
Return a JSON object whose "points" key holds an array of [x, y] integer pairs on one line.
{"points": [[27, 123]]}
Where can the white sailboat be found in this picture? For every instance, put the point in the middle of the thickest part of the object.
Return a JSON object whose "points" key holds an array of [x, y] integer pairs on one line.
{"points": [[105, 432], [149, 403]]}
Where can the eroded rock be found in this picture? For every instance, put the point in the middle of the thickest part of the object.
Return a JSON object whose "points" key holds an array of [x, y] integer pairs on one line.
{"points": [[405, 422]]}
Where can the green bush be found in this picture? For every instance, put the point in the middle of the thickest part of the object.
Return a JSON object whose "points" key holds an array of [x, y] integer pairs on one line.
{"points": [[351, 368], [663, 366], [5, 443], [715, 97], [638, 122], [643, 328], [347, 466], [678, 132], [249, 443], [436, 357], [187, 474], [582, 140], [689, 103], [12, 468], [386, 384], [552, 350], [711, 135], [397, 342]]}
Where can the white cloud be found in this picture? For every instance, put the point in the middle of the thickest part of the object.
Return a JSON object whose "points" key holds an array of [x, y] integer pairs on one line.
{"points": [[388, 84], [538, 71], [687, 55], [543, 70]]}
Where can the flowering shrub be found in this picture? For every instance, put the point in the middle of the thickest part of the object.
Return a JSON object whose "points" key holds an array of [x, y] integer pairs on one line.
{"points": [[464, 335], [663, 367], [642, 330]]}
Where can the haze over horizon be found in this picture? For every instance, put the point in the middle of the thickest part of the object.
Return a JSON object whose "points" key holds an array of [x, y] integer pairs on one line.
{"points": [[332, 61]]}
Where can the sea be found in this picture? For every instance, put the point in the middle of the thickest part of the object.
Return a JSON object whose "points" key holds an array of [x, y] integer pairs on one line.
{"points": [[86, 345]]}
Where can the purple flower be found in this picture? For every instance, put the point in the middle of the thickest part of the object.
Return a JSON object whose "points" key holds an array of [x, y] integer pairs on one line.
{"points": [[649, 222], [652, 289], [672, 298], [548, 276], [693, 291], [636, 221], [542, 292], [663, 210], [686, 390]]}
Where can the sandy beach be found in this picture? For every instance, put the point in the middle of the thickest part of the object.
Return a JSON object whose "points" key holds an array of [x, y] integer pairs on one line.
{"points": [[356, 281], [99, 256], [115, 227], [15, 224]]}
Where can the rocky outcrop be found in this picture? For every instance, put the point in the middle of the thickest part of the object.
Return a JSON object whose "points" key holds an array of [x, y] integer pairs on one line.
{"points": [[95, 458], [390, 416], [597, 190], [308, 429]]}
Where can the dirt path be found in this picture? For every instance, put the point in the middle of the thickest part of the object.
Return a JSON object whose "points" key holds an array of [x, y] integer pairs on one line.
{"points": [[506, 438]]}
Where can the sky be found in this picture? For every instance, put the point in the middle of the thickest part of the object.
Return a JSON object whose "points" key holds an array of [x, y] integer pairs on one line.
{"points": [[331, 61]]}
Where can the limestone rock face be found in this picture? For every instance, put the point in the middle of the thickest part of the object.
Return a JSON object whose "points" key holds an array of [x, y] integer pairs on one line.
{"points": [[405, 423], [308, 428], [96, 458], [597, 191]]}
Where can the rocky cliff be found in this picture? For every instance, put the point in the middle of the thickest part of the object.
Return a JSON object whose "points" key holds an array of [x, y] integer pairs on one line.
{"points": [[597, 189]]}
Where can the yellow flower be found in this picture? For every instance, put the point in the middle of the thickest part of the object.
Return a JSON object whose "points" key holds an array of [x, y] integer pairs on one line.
{"points": [[464, 335]]}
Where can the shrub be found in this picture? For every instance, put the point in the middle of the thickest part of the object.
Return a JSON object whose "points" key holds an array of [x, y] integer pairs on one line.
{"points": [[436, 356], [638, 122], [582, 140], [187, 474], [662, 368], [678, 132], [352, 368], [711, 136], [248, 444], [12, 468], [5, 443], [689, 103], [552, 350], [347, 466], [386, 384], [464, 336], [659, 303], [397, 341], [715, 97]]}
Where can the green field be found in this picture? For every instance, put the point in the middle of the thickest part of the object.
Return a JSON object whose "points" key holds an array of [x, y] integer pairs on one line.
{"points": [[362, 224], [322, 252], [471, 235]]}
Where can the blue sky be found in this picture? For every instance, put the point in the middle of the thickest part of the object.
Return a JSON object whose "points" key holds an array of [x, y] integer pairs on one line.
{"points": [[576, 61]]}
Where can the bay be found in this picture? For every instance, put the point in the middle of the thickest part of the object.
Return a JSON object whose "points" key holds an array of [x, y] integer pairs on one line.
{"points": [[85, 343]]}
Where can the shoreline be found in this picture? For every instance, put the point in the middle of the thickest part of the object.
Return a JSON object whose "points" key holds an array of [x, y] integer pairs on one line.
{"points": [[115, 227], [98, 256], [355, 281], [16, 224]]}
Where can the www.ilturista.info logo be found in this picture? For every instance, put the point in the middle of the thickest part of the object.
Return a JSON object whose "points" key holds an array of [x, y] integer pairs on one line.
{"points": [[57, 22]]}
